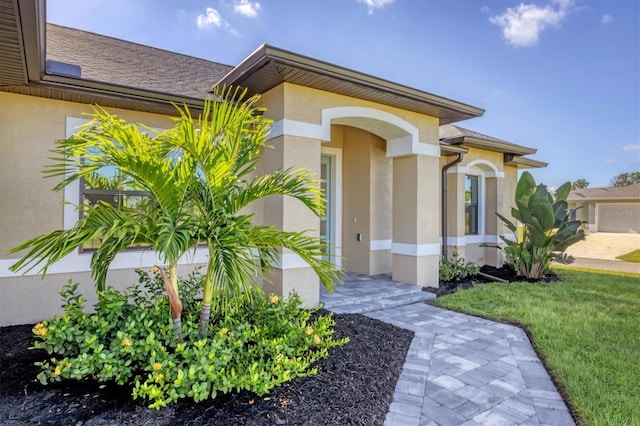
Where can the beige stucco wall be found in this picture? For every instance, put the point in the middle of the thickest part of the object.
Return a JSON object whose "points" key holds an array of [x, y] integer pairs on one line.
{"points": [[367, 201], [306, 104], [356, 157], [381, 178], [29, 299], [29, 127]]}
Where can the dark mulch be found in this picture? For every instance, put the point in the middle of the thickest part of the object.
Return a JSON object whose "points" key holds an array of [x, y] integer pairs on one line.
{"points": [[505, 273], [354, 386]]}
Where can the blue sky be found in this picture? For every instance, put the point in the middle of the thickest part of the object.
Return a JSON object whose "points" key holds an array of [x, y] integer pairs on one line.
{"points": [[562, 76]]}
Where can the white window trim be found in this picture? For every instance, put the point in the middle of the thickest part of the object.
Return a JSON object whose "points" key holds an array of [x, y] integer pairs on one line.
{"points": [[481, 200]]}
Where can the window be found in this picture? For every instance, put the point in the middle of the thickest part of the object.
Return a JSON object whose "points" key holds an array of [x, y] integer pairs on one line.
{"points": [[107, 185], [471, 205]]}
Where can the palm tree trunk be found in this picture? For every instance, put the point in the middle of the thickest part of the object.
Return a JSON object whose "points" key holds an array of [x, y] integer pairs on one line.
{"points": [[171, 285], [207, 296]]}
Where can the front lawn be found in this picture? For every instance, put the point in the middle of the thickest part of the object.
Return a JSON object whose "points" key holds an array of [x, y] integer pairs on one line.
{"points": [[586, 327]]}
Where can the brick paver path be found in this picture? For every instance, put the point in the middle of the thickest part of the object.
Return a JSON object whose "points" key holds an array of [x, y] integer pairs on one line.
{"points": [[464, 370]]}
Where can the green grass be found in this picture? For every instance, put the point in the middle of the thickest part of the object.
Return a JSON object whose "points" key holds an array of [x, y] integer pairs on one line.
{"points": [[586, 327], [633, 256]]}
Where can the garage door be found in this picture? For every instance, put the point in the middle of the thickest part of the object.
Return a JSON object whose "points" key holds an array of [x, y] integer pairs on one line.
{"points": [[619, 218]]}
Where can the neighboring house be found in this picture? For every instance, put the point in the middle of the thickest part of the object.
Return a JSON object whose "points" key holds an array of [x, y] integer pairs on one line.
{"points": [[382, 149], [615, 209]]}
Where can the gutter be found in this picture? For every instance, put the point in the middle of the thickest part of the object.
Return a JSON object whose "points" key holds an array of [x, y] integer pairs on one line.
{"points": [[446, 167]]}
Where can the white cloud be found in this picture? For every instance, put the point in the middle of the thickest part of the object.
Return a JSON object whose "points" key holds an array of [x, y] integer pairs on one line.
{"points": [[627, 148], [247, 8], [606, 19], [522, 25], [372, 5], [212, 18]]}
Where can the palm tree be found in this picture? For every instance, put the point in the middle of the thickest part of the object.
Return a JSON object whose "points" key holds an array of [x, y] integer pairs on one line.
{"points": [[226, 143]]}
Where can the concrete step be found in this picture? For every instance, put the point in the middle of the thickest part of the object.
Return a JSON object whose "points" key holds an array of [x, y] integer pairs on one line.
{"points": [[388, 301], [362, 295]]}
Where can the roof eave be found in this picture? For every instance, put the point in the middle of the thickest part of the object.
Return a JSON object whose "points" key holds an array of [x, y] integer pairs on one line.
{"points": [[266, 54], [497, 146], [452, 149], [526, 163], [109, 89]]}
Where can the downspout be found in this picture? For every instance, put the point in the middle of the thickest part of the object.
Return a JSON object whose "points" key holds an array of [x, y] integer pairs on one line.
{"points": [[444, 202]]}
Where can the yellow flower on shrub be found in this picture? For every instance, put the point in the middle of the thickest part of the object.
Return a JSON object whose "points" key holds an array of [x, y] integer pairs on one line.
{"points": [[154, 270], [57, 371], [224, 330], [309, 330], [40, 329], [274, 299], [126, 342], [317, 339], [157, 366]]}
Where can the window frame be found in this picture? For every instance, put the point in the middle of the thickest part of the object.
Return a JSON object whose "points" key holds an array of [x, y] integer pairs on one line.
{"points": [[477, 206]]}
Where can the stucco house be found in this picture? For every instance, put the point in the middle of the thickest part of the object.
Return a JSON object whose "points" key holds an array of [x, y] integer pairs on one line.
{"points": [[403, 181], [615, 209]]}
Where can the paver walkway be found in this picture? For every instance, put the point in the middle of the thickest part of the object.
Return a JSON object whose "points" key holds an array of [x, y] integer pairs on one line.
{"points": [[460, 369]]}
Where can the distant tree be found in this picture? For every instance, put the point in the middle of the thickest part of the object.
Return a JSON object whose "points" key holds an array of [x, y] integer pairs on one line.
{"points": [[579, 183], [626, 179]]}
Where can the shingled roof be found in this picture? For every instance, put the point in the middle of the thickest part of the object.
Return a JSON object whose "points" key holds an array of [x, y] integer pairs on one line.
{"points": [[455, 135], [128, 64], [631, 192]]}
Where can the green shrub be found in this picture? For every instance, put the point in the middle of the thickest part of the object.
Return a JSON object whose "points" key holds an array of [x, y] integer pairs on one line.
{"points": [[130, 340], [456, 268], [547, 228]]}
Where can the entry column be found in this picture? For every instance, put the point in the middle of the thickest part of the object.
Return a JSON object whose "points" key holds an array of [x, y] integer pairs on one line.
{"points": [[289, 214], [416, 206]]}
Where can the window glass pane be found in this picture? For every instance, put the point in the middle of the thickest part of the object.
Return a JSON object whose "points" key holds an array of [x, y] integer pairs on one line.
{"points": [[471, 204]]}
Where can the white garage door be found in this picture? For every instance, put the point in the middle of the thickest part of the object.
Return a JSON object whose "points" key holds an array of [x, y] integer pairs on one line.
{"points": [[619, 218]]}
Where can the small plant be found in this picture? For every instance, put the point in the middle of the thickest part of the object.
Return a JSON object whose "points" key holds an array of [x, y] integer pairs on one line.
{"points": [[547, 230], [129, 340], [456, 268]]}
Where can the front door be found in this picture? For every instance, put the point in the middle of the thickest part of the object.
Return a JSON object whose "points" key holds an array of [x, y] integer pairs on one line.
{"points": [[325, 222]]}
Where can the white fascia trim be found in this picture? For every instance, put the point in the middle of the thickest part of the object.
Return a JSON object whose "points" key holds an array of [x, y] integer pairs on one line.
{"points": [[380, 245], [300, 129], [291, 261], [471, 239], [408, 145], [494, 173], [415, 250], [81, 262]]}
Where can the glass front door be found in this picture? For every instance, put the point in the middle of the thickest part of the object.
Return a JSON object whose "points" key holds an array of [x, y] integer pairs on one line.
{"points": [[325, 221]]}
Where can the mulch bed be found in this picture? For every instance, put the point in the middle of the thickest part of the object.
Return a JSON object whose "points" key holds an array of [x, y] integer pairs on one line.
{"points": [[505, 273], [354, 386]]}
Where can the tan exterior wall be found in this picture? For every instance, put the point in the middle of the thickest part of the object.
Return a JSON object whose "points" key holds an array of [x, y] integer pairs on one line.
{"points": [[306, 104], [30, 126], [356, 157], [381, 179], [367, 201], [30, 299], [286, 213]]}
